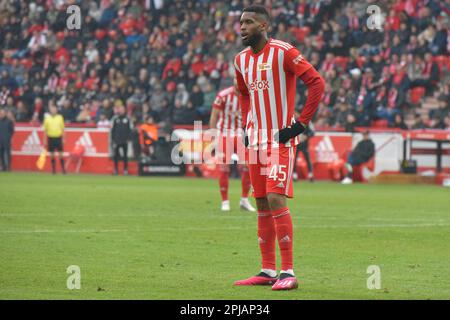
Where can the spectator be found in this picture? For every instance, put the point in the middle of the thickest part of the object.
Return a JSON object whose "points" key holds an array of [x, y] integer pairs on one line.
{"points": [[438, 115], [22, 113], [103, 122], [341, 112], [429, 76], [194, 43], [183, 114], [447, 123], [181, 96], [68, 111], [399, 123], [196, 97]]}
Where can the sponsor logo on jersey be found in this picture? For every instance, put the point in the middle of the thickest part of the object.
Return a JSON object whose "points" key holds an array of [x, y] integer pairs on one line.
{"points": [[259, 85]]}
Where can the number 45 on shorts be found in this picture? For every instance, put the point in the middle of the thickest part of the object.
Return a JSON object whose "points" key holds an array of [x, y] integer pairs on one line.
{"points": [[278, 172]]}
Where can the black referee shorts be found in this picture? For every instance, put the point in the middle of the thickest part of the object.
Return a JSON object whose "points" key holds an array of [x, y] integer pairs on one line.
{"points": [[55, 144]]}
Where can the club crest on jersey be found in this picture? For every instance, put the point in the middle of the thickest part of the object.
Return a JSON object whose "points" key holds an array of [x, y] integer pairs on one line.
{"points": [[264, 66], [259, 85]]}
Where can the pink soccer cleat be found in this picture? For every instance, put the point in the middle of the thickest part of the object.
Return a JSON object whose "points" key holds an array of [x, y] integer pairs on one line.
{"points": [[287, 283], [261, 279]]}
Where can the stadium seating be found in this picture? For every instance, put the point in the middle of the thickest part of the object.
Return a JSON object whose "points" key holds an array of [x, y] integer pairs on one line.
{"points": [[132, 45]]}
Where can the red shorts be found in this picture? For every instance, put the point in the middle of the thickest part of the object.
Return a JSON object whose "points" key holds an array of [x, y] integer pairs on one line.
{"points": [[229, 145], [271, 171]]}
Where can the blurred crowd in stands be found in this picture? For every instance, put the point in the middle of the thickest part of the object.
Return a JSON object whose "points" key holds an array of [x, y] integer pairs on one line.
{"points": [[165, 61]]}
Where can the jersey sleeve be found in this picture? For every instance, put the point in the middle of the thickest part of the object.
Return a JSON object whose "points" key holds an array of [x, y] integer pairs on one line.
{"points": [[244, 97], [295, 62], [316, 86]]}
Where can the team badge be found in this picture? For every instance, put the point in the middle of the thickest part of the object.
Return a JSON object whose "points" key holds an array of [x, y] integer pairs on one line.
{"points": [[264, 66]]}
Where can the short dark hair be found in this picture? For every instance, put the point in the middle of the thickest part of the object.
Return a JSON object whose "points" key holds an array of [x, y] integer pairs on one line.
{"points": [[258, 9]]}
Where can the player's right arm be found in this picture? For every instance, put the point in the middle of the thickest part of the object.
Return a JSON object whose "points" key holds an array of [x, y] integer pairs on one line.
{"points": [[244, 96]]}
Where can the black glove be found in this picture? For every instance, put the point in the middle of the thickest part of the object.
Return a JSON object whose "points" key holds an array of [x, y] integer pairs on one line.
{"points": [[245, 139], [287, 133]]}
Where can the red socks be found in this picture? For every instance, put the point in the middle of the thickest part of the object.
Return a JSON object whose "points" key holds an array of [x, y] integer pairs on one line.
{"points": [[272, 225], [266, 239], [245, 179], [284, 231], [223, 182]]}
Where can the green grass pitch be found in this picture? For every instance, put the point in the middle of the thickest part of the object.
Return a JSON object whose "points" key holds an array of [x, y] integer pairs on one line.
{"points": [[165, 238]]}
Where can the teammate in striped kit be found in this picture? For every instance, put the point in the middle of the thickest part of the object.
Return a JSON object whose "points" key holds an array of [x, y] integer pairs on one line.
{"points": [[226, 118], [266, 73]]}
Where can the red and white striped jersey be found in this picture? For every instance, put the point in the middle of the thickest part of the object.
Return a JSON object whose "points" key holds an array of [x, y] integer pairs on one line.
{"points": [[230, 112], [269, 78]]}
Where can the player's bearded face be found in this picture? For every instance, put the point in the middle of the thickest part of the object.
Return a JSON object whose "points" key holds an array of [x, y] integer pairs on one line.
{"points": [[252, 39], [251, 29]]}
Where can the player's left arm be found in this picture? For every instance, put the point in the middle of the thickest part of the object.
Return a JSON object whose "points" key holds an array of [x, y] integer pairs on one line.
{"points": [[295, 63]]}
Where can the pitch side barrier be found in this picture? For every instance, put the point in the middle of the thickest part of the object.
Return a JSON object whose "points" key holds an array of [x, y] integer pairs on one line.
{"points": [[196, 148]]}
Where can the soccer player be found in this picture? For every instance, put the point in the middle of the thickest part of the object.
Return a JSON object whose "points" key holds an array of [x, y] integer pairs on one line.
{"points": [[54, 136], [266, 73], [226, 118]]}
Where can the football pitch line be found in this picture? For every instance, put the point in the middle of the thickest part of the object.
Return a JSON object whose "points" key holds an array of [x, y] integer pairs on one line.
{"points": [[420, 225], [219, 215], [64, 231]]}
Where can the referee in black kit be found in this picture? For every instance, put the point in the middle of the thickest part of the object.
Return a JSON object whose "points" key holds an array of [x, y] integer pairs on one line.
{"points": [[120, 134]]}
